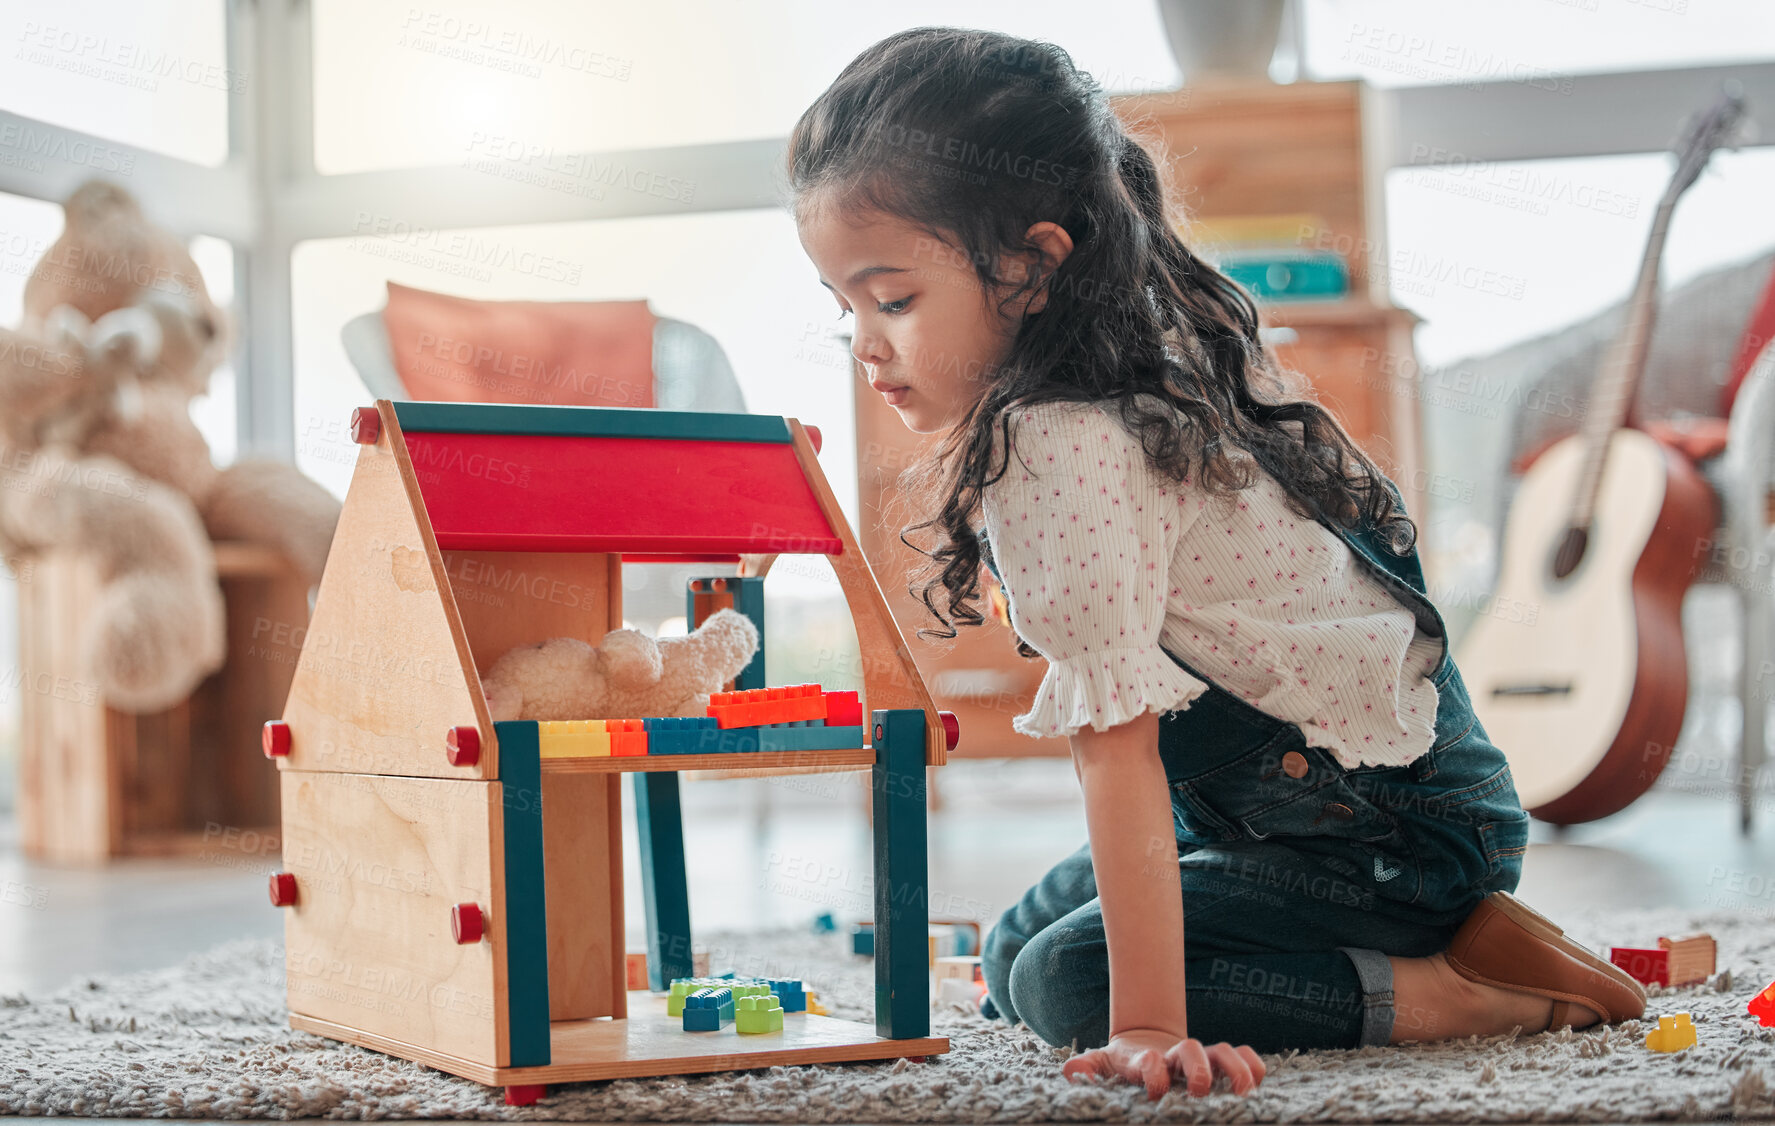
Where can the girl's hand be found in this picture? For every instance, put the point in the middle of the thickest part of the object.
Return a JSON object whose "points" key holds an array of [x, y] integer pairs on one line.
{"points": [[1152, 1056]]}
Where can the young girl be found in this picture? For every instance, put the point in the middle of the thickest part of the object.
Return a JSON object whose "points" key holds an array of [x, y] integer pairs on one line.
{"points": [[1299, 836]]}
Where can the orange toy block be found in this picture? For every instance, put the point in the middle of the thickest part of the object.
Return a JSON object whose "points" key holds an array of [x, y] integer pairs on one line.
{"points": [[1692, 958], [637, 971], [627, 736], [1673, 1034], [755, 707]]}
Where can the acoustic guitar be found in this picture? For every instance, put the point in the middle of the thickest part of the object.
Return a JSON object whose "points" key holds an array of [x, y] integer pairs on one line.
{"points": [[1584, 683]]}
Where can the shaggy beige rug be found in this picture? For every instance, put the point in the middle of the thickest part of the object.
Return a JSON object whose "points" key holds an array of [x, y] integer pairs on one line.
{"points": [[208, 1039]]}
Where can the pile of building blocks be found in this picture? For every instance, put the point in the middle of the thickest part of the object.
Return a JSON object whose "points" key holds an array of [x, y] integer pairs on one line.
{"points": [[799, 717], [1673, 1034], [788, 990], [753, 1005], [1679, 961]]}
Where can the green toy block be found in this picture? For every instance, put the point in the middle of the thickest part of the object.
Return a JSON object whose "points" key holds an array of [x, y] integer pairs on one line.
{"points": [[683, 987], [758, 1014]]}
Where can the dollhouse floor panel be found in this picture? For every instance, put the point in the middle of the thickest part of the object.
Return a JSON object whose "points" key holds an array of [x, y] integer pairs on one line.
{"points": [[648, 1042]]}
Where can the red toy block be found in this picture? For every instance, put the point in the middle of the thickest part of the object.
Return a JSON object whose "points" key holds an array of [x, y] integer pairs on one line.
{"points": [[951, 729], [283, 889], [467, 924], [1762, 1006], [275, 738], [524, 1094], [1648, 967], [366, 425], [813, 436], [462, 746], [843, 709], [755, 707]]}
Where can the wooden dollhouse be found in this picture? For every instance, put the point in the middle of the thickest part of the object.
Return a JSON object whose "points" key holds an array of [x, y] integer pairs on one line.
{"points": [[453, 894]]}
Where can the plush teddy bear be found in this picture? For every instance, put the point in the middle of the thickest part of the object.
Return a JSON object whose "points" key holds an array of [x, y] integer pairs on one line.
{"points": [[158, 625], [629, 675], [100, 455], [110, 257]]}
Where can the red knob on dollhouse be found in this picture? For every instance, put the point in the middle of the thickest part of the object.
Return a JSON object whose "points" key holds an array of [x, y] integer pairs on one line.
{"points": [[275, 738], [951, 729], [466, 924], [462, 746], [813, 435], [283, 889], [366, 425]]}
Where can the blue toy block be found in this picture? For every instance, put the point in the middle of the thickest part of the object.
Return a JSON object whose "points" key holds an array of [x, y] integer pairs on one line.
{"points": [[863, 939], [823, 923], [696, 735], [809, 738], [790, 992], [708, 1009]]}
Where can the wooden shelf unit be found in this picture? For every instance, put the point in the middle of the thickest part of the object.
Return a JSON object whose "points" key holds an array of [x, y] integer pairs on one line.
{"points": [[97, 783]]}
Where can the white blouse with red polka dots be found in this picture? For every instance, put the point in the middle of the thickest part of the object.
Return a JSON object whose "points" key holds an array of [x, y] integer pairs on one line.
{"points": [[1107, 564]]}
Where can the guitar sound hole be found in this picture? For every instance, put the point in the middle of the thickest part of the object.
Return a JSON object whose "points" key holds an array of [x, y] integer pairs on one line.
{"points": [[1571, 552]]}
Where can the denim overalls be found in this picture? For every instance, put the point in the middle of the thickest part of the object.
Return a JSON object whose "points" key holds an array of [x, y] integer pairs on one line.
{"points": [[1298, 875]]}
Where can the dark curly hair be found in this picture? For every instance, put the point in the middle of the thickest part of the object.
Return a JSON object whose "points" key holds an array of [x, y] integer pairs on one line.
{"points": [[1131, 313]]}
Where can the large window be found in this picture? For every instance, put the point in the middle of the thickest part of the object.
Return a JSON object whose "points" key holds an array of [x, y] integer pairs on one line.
{"points": [[149, 73], [411, 85], [1542, 43]]}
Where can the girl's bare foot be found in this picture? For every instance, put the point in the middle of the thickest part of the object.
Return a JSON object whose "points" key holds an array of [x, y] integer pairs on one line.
{"points": [[1433, 1002]]}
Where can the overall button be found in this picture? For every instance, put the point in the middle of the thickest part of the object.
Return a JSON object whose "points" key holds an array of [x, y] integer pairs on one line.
{"points": [[1294, 764]]}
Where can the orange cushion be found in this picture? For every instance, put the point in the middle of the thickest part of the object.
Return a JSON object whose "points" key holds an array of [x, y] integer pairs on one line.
{"points": [[1695, 438], [575, 353]]}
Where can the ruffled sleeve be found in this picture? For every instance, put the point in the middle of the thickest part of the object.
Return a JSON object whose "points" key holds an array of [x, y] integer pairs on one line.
{"points": [[1083, 531]]}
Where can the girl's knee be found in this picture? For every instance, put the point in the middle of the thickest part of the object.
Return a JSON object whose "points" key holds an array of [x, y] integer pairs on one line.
{"points": [[1064, 1006]]}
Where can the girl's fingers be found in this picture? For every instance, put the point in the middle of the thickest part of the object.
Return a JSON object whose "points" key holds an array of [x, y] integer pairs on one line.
{"points": [[1232, 1065], [1150, 1069], [1254, 1062], [1092, 1064], [1190, 1060]]}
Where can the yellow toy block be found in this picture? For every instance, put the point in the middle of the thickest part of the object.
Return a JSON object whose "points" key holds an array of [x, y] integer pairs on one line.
{"points": [[573, 738], [1673, 1034]]}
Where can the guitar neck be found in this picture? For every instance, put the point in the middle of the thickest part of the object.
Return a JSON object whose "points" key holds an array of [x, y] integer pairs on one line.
{"points": [[1619, 383]]}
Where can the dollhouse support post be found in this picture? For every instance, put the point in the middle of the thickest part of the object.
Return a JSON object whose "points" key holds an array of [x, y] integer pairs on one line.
{"points": [[665, 889], [902, 913], [742, 593]]}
